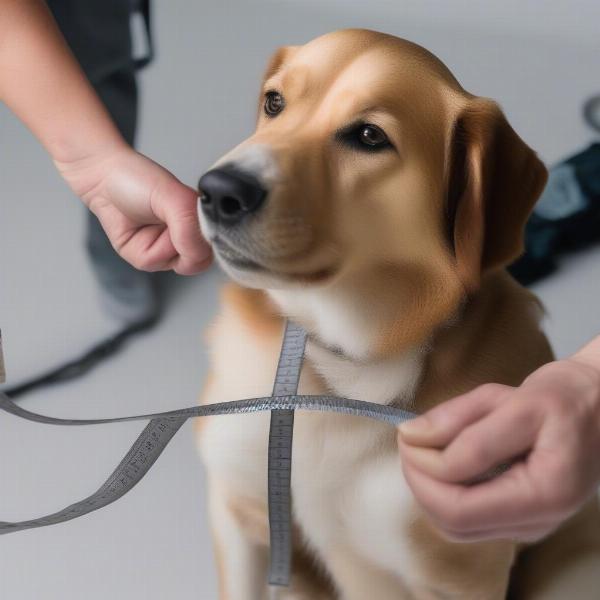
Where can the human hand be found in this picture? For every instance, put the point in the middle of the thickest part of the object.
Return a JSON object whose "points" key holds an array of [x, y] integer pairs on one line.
{"points": [[551, 421], [149, 216]]}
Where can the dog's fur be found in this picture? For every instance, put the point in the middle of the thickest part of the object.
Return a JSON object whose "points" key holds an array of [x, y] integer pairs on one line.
{"points": [[393, 262]]}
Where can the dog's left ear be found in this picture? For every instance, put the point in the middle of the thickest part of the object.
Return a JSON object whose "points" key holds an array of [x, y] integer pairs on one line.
{"points": [[494, 180], [277, 60]]}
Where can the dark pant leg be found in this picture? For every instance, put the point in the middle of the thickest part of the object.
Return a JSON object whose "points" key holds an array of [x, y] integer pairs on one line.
{"points": [[126, 293], [99, 35]]}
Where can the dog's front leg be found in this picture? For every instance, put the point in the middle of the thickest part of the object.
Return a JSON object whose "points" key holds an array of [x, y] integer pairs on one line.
{"points": [[358, 579], [241, 560]]}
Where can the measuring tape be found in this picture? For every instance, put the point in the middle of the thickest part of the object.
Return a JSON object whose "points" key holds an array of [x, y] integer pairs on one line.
{"points": [[163, 426]]}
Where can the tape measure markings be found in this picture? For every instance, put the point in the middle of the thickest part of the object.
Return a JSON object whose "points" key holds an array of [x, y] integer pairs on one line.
{"points": [[163, 426], [161, 429], [281, 432]]}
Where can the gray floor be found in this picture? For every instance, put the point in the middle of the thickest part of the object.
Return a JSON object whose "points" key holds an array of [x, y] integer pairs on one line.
{"points": [[199, 101]]}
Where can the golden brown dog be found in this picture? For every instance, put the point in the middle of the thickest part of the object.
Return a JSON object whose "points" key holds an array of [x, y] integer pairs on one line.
{"points": [[376, 204]]}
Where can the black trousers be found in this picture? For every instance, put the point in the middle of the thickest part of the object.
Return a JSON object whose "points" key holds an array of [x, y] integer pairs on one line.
{"points": [[99, 34]]}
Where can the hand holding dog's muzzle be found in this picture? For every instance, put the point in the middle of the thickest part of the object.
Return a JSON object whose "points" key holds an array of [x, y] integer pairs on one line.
{"points": [[149, 216]]}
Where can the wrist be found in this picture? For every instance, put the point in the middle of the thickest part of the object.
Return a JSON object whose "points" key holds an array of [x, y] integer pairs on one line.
{"points": [[86, 171], [70, 151], [589, 355]]}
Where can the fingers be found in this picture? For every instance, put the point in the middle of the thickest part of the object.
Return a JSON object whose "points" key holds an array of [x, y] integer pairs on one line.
{"points": [[147, 248], [545, 420], [440, 425], [150, 249], [465, 438], [148, 214], [176, 205], [501, 435], [503, 504], [156, 228]]}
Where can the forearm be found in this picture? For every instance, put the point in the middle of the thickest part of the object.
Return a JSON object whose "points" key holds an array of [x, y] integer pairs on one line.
{"points": [[42, 83]]}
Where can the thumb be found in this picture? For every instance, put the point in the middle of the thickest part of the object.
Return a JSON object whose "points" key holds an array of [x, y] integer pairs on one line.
{"points": [[175, 204], [441, 425]]}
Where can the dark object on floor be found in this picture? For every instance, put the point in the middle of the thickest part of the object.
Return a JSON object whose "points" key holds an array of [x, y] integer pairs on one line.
{"points": [[84, 363], [565, 219]]}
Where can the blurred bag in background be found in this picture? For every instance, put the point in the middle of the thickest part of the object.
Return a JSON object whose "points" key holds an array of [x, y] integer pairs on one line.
{"points": [[567, 215]]}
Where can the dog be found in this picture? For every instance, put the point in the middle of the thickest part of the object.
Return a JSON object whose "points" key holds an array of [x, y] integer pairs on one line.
{"points": [[377, 205]]}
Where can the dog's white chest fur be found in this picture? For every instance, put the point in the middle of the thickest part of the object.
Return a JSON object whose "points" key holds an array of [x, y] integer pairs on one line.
{"points": [[347, 485]]}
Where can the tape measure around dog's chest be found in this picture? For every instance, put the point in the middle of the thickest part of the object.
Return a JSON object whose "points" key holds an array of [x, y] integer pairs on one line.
{"points": [[163, 426]]}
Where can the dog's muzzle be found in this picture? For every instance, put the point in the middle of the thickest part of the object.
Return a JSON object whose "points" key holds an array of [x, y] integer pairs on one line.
{"points": [[228, 195]]}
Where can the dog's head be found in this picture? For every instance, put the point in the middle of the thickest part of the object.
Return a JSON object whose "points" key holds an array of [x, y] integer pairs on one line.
{"points": [[371, 169]]}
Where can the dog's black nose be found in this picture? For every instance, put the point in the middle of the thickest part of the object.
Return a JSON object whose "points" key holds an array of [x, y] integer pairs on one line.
{"points": [[227, 195]]}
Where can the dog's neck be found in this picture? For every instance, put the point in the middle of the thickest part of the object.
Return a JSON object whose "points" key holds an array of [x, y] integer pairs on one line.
{"points": [[337, 321], [384, 381], [340, 347]]}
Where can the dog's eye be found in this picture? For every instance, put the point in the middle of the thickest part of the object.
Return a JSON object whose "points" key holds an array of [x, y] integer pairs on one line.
{"points": [[365, 136], [371, 135], [274, 103]]}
